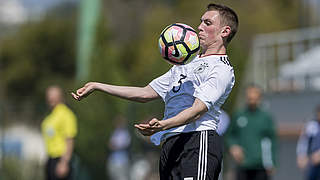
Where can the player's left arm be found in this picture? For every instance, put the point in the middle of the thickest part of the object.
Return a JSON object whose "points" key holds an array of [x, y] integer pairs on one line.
{"points": [[69, 125], [315, 157], [62, 168], [271, 135], [184, 117]]}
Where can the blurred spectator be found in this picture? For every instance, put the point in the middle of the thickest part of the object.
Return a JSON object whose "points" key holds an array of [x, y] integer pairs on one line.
{"points": [[251, 139], [59, 129], [140, 169], [119, 162], [308, 148], [145, 167]]}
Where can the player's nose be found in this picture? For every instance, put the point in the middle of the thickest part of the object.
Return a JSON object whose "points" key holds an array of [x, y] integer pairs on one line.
{"points": [[200, 27]]}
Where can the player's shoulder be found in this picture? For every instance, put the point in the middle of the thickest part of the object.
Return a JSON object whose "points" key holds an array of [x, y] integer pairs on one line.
{"points": [[239, 112], [63, 107], [311, 124], [64, 110], [216, 59], [264, 112], [213, 61], [312, 127]]}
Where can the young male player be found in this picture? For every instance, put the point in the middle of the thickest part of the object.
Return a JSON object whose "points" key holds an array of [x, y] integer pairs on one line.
{"points": [[193, 94]]}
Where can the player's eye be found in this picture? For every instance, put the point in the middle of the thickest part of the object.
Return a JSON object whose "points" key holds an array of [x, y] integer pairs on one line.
{"points": [[207, 22]]}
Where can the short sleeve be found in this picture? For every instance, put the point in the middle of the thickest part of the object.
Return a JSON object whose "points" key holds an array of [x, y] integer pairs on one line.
{"points": [[220, 80], [70, 124], [161, 84]]}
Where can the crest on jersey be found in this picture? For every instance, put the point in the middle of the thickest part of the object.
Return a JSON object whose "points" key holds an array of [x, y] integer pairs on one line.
{"points": [[50, 132], [201, 68]]}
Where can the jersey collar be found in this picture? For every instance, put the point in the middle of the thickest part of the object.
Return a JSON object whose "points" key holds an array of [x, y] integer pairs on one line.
{"points": [[201, 55]]}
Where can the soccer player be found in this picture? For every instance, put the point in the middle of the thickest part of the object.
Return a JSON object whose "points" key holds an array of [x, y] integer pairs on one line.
{"points": [[59, 129], [193, 94]]}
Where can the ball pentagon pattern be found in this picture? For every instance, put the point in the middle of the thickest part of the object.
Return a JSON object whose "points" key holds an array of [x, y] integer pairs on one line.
{"points": [[179, 44]]}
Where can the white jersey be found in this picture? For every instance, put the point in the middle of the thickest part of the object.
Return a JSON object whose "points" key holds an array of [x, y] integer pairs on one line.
{"points": [[208, 78]]}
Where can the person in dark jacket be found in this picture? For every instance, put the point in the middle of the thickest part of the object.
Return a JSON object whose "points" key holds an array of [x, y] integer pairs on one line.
{"points": [[251, 139]]}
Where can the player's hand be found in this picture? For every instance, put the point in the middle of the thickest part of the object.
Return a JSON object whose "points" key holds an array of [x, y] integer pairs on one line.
{"points": [[62, 169], [302, 162], [271, 171], [84, 91], [148, 129], [237, 153], [315, 158]]}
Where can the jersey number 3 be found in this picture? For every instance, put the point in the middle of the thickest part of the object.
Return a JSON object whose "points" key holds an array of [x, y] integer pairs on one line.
{"points": [[182, 77]]}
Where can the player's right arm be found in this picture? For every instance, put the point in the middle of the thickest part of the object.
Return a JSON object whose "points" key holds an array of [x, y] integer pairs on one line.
{"points": [[138, 94]]}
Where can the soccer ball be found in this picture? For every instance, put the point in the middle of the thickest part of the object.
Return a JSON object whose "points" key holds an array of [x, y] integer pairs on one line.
{"points": [[179, 44]]}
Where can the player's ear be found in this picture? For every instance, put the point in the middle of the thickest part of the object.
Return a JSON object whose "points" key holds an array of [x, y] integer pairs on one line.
{"points": [[226, 30]]}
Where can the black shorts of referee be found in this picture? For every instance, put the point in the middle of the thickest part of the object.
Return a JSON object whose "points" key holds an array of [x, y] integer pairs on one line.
{"points": [[191, 156], [50, 170]]}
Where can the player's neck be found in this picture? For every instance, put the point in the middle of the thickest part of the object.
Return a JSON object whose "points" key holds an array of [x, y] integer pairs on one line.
{"points": [[214, 50]]}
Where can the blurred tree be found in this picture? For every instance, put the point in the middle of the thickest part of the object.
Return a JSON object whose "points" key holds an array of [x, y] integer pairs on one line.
{"points": [[36, 55]]}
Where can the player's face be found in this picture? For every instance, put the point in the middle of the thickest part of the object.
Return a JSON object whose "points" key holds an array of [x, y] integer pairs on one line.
{"points": [[53, 97], [210, 29], [253, 97]]}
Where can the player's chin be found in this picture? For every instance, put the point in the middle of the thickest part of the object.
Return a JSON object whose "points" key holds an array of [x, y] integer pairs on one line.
{"points": [[202, 45]]}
